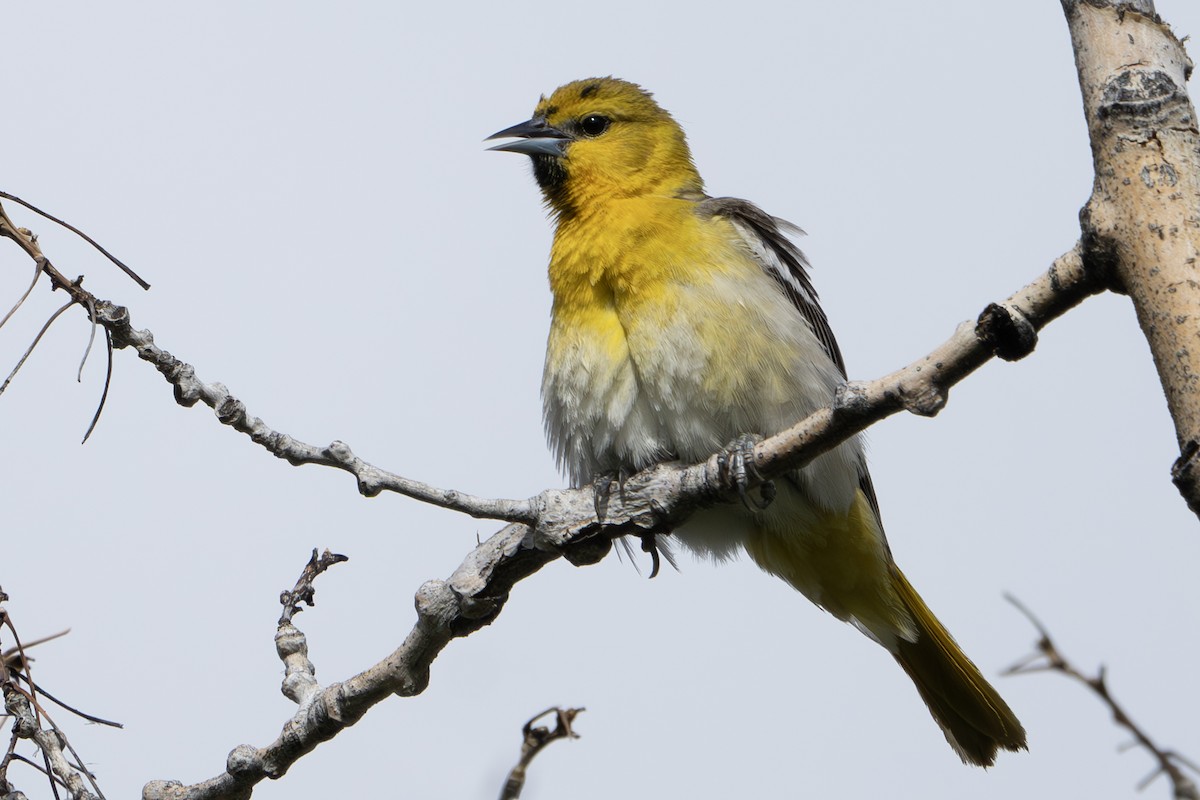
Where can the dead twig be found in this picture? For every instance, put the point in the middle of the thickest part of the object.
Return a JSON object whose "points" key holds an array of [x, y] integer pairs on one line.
{"points": [[291, 645], [1047, 658], [107, 381], [37, 273], [137, 278], [61, 764], [14, 657], [535, 740], [34, 343], [304, 591]]}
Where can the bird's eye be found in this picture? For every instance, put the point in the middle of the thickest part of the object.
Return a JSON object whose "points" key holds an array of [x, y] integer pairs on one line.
{"points": [[594, 124]]}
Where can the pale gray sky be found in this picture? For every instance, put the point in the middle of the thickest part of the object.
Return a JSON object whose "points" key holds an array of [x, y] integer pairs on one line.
{"points": [[307, 190]]}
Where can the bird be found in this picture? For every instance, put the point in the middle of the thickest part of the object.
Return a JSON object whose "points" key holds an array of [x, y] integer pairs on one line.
{"points": [[681, 324]]}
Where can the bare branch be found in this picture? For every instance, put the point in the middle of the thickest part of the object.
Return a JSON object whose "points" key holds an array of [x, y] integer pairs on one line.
{"points": [[28, 242], [1048, 658], [230, 411], [120, 264], [534, 741], [108, 352], [555, 522], [34, 343], [37, 273], [32, 723], [304, 591], [1007, 329], [654, 501], [42, 693], [1140, 223], [15, 657], [87, 351], [469, 600], [49, 741], [300, 676]]}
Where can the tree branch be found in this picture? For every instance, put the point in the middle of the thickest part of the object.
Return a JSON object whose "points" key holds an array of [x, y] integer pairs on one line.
{"points": [[1141, 124], [1048, 658], [556, 522], [1142, 222], [654, 501], [565, 522], [31, 722]]}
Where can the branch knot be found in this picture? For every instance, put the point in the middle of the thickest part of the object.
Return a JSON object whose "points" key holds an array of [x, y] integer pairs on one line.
{"points": [[1006, 331], [1137, 92], [1185, 473], [244, 762]]}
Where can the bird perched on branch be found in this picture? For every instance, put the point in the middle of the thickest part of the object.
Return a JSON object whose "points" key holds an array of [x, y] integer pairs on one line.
{"points": [[682, 323]]}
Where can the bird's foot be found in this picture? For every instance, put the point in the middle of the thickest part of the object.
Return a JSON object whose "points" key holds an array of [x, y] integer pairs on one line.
{"points": [[603, 485], [737, 461]]}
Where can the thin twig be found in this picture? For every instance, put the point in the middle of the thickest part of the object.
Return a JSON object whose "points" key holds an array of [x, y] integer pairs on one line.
{"points": [[80, 234], [41, 690], [34, 343], [28, 242], [304, 591], [37, 273], [32, 722], [534, 741], [40, 768], [230, 411], [1048, 658], [15, 663], [108, 349], [91, 305]]}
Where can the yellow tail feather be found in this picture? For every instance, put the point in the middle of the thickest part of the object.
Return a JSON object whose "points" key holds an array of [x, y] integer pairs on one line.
{"points": [[976, 720]]}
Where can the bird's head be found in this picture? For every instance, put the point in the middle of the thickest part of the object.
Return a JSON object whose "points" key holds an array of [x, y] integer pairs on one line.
{"points": [[600, 139]]}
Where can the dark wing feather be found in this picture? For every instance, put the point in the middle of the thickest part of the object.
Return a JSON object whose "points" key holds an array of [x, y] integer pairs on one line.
{"points": [[784, 262], [781, 259]]}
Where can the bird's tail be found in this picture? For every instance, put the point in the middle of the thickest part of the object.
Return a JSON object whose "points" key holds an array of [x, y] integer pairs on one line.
{"points": [[972, 715]]}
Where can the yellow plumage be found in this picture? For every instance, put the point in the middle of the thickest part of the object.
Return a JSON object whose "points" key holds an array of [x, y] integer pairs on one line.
{"points": [[681, 322]]}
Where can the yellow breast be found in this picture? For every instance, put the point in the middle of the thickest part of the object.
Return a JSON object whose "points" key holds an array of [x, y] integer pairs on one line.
{"points": [[668, 340]]}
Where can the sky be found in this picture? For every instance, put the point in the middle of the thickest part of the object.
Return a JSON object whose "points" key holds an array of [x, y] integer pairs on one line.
{"points": [[308, 192]]}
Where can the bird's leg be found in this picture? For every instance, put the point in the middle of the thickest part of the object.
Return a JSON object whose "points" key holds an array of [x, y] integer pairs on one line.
{"points": [[602, 487], [737, 461]]}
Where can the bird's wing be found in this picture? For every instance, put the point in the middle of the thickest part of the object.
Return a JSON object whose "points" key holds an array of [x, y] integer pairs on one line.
{"points": [[767, 240], [766, 236]]}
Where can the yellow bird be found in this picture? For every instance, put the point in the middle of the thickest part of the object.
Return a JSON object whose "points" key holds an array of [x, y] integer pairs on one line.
{"points": [[682, 322]]}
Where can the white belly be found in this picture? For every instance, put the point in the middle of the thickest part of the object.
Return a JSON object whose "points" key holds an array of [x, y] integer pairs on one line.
{"points": [[727, 358]]}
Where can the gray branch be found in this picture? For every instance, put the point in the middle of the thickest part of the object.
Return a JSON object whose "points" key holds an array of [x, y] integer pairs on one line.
{"points": [[1140, 235], [534, 739], [654, 502], [1048, 658], [1142, 221]]}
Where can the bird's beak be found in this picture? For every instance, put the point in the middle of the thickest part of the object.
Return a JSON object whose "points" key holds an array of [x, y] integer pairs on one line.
{"points": [[534, 137]]}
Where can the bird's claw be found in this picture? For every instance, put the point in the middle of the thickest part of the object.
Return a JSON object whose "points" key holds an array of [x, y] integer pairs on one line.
{"points": [[602, 487], [650, 545], [737, 461]]}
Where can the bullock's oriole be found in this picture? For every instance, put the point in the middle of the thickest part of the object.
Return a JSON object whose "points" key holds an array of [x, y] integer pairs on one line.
{"points": [[681, 322]]}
